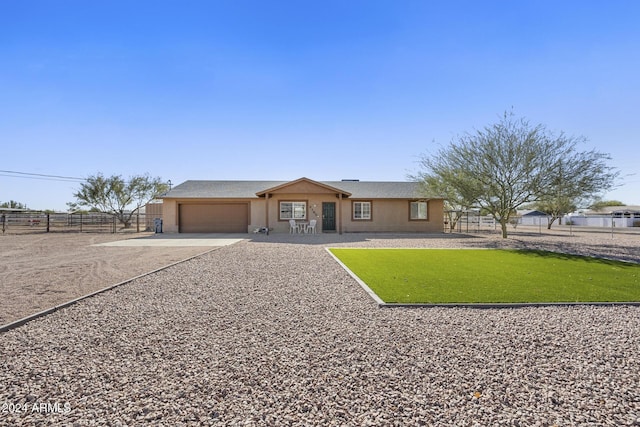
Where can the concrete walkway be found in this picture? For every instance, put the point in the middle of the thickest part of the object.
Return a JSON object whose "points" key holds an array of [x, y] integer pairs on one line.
{"points": [[182, 239]]}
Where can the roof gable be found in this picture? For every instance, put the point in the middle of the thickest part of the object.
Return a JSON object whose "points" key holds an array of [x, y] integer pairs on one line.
{"points": [[531, 212], [303, 186]]}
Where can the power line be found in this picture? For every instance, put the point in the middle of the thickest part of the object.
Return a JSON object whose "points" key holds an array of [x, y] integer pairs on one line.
{"points": [[40, 176], [47, 177]]}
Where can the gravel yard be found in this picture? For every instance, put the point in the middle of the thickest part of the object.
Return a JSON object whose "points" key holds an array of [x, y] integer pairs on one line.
{"points": [[272, 331]]}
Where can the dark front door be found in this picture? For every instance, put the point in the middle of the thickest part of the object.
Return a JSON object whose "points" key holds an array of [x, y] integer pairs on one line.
{"points": [[328, 216]]}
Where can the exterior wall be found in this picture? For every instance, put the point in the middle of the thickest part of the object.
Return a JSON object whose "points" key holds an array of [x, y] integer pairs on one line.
{"points": [[169, 216], [533, 220], [256, 214], [314, 209], [388, 215], [392, 215]]}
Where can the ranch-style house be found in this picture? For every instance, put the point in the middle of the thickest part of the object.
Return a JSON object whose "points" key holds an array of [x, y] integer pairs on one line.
{"points": [[332, 206]]}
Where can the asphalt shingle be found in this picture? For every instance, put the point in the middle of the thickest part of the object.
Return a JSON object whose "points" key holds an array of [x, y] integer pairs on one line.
{"points": [[248, 189]]}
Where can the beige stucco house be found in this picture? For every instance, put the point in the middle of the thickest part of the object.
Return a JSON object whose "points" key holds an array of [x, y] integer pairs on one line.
{"points": [[336, 206]]}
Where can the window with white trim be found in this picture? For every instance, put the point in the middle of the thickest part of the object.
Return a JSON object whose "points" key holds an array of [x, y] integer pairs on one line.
{"points": [[418, 211], [361, 210], [293, 210]]}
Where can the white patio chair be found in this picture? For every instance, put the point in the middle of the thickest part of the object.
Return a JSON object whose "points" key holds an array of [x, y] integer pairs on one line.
{"points": [[293, 227], [311, 227]]}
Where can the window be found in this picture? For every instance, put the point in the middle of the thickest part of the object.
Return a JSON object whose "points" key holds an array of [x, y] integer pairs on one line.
{"points": [[418, 211], [293, 210], [361, 210]]}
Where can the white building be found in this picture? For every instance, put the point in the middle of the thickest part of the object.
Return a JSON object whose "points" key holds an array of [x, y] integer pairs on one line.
{"points": [[611, 216]]}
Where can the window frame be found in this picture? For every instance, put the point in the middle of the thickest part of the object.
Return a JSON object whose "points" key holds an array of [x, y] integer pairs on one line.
{"points": [[302, 203], [362, 202], [426, 210]]}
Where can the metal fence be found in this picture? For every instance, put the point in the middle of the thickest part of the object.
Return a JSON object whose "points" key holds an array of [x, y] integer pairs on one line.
{"points": [[472, 222], [37, 222]]}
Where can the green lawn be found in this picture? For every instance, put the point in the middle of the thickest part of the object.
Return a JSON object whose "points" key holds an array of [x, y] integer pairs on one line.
{"points": [[491, 276]]}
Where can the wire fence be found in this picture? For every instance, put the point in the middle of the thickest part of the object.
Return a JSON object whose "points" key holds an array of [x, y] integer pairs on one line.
{"points": [[37, 222], [472, 222]]}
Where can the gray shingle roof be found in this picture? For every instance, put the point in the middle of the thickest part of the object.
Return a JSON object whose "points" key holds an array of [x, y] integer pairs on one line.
{"points": [[248, 189], [377, 189]]}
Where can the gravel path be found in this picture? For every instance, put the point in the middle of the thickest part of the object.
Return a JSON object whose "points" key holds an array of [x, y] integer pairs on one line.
{"points": [[273, 332]]}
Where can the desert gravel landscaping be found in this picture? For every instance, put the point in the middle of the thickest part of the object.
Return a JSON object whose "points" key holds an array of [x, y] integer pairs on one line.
{"points": [[271, 331]]}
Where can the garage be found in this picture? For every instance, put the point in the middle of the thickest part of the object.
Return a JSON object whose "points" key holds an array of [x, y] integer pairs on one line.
{"points": [[214, 218]]}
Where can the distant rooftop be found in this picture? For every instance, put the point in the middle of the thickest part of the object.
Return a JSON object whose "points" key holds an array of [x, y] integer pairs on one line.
{"points": [[611, 209]]}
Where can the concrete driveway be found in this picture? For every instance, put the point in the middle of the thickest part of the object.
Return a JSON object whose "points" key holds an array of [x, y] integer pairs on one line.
{"points": [[182, 239]]}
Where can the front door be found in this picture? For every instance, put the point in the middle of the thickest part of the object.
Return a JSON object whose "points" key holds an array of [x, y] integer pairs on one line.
{"points": [[328, 216]]}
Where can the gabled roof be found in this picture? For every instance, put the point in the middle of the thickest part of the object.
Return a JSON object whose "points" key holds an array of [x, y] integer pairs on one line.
{"points": [[255, 189], [530, 212], [303, 180]]}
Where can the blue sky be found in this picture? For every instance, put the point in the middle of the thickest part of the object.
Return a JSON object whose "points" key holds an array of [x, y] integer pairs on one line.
{"points": [[280, 90]]}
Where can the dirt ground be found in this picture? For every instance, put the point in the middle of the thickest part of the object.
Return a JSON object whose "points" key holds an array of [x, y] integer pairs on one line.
{"points": [[39, 271]]}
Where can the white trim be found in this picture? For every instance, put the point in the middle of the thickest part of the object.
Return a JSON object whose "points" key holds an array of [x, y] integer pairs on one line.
{"points": [[293, 210], [426, 210], [362, 213]]}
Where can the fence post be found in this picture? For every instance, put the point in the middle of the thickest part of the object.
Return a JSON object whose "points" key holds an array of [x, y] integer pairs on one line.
{"points": [[613, 224], [48, 222], [4, 221]]}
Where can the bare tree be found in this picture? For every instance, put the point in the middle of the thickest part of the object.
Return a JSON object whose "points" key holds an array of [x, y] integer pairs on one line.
{"points": [[455, 205], [511, 162], [578, 181], [117, 196], [556, 208]]}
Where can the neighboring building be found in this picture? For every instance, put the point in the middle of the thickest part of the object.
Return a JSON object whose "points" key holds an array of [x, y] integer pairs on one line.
{"points": [[616, 216], [13, 210], [532, 217], [337, 206]]}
